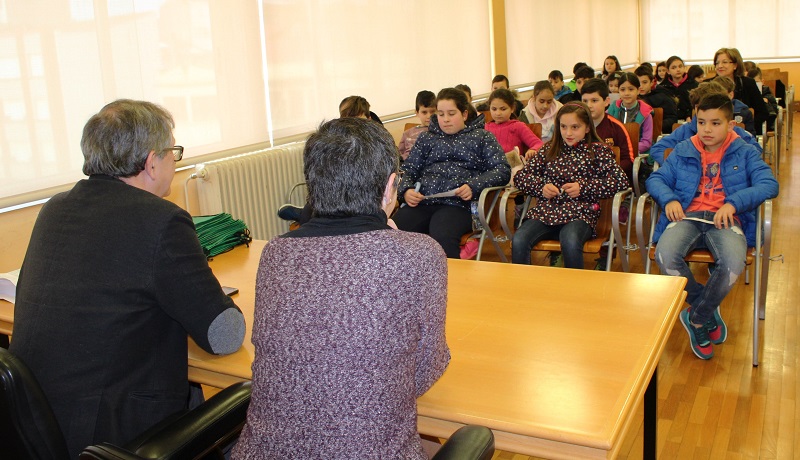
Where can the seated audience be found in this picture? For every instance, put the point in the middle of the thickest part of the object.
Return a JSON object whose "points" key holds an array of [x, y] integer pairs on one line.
{"points": [[689, 129], [425, 107], [708, 190], [568, 177], [595, 95], [456, 155], [556, 79], [113, 280], [542, 109], [657, 97], [571, 84], [349, 326], [466, 89], [661, 72]]}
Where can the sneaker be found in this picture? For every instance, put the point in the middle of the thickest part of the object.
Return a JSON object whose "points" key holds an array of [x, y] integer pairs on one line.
{"points": [[698, 336], [717, 330], [470, 249], [289, 212], [556, 259]]}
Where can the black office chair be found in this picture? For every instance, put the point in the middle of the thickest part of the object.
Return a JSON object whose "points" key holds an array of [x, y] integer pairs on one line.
{"points": [[30, 430], [471, 442]]}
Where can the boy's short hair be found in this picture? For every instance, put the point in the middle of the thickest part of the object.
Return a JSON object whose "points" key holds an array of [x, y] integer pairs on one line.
{"points": [[695, 71], [577, 66], [704, 89], [584, 72], [555, 75], [726, 83], [353, 106], [595, 85], [644, 71], [464, 88], [647, 65], [425, 98], [499, 78], [717, 101]]}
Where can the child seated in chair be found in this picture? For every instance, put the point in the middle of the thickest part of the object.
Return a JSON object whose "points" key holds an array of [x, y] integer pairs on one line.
{"points": [[556, 78], [569, 177], [510, 132], [656, 97], [456, 156], [708, 190], [628, 109], [425, 107], [542, 109]]}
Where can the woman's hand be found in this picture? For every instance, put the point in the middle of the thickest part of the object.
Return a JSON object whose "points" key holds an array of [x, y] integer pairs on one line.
{"points": [[464, 192], [413, 197]]}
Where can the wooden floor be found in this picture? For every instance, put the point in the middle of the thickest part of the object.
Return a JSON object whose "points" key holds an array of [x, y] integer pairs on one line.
{"points": [[725, 408]]}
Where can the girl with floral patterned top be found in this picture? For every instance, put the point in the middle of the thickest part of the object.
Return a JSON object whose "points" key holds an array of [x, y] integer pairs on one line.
{"points": [[568, 176]]}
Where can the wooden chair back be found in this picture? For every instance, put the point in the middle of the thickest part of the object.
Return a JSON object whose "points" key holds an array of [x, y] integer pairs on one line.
{"points": [[487, 115], [771, 85], [658, 121], [536, 128], [633, 133], [409, 126], [675, 126]]}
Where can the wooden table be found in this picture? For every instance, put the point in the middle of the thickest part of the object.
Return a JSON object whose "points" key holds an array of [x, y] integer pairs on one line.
{"points": [[554, 361]]}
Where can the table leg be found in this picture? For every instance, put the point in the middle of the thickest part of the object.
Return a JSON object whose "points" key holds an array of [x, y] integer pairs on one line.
{"points": [[650, 417]]}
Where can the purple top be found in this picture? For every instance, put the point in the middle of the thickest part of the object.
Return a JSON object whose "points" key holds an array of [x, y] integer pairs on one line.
{"points": [[348, 332]]}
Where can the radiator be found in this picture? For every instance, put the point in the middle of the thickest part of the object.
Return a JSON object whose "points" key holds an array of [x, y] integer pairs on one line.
{"points": [[252, 187]]}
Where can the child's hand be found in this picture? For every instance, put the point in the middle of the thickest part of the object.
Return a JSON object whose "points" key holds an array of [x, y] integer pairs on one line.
{"points": [[674, 211], [412, 197], [572, 189], [464, 192], [529, 154], [550, 191], [724, 216]]}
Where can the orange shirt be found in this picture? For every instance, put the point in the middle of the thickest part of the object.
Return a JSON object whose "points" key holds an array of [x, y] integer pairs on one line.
{"points": [[710, 196]]}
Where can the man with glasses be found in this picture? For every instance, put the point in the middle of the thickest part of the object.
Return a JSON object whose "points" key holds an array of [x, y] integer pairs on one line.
{"points": [[113, 280]]}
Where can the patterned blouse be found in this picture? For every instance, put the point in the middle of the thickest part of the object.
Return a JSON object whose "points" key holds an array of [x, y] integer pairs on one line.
{"points": [[591, 165]]}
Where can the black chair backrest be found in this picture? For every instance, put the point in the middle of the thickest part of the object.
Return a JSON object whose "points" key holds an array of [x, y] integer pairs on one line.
{"points": [[29, 428]]}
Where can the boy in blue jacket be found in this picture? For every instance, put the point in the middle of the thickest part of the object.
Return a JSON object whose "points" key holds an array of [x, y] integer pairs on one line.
{"points": [[689, 129], [708, 190]]}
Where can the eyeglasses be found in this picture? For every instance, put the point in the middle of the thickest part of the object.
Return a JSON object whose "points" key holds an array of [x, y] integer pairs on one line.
{"points": [[177, 152], [398, 178]]}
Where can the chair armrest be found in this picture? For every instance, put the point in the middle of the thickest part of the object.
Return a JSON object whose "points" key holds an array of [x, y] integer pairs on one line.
{"points": [[619, 197], [471, 442], [188, 435], [637, 164]]}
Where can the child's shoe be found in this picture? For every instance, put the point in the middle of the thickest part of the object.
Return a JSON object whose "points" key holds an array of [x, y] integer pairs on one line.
{"points": [[698, 336], [470, 249], [717, 330]]}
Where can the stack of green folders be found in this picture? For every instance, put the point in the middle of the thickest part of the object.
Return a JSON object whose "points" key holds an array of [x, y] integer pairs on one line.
{"points": [[220, 233]]}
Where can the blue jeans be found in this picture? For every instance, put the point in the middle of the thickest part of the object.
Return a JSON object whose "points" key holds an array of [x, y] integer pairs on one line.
{"points": [[571, 235], [728, 246]]}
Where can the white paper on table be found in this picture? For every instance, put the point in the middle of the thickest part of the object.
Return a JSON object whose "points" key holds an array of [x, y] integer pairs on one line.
{"points": [[442, 194], [8, 285]]}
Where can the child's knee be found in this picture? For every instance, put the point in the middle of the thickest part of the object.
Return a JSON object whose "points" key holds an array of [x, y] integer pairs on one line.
{"points": [[668, 261]]}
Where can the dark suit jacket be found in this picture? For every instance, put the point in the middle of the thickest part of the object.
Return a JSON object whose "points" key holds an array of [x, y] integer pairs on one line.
{"points": [[113, 279]]}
